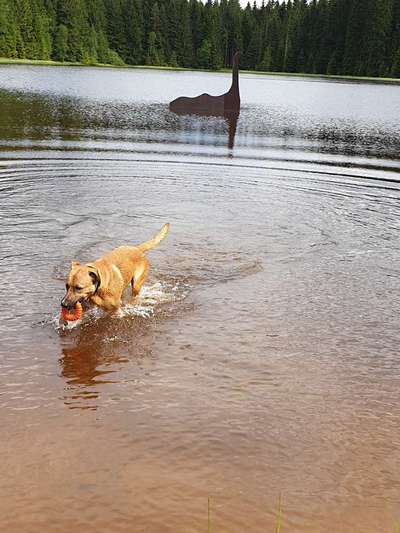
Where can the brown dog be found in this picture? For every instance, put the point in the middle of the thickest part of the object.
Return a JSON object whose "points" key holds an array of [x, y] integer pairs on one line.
{"points": [[103, 281]]}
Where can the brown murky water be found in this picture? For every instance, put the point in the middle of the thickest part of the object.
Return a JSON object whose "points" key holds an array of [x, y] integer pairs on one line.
{"points": [[262, 357]]}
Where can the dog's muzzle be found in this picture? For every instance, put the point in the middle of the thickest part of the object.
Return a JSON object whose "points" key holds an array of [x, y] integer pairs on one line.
{"points": [[67, 304]]}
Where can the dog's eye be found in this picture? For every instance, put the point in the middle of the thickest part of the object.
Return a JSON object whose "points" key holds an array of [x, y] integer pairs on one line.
{"points": [[79, 288]]}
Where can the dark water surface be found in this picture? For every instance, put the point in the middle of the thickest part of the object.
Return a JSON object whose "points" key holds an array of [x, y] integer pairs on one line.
{"points": [[263, 355]]}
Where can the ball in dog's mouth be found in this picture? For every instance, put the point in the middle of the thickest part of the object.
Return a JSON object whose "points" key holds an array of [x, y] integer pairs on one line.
{"points": [[73, 314]]}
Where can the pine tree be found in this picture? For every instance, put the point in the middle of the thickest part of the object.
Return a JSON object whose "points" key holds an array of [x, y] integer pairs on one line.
{"points": [[24, 19], [173, 60], [253, 53], [274, 40], [195, 9], [234, 30], [103, 51], [356, 38], [97, 47], [265, 64], [378, 28], [116, 28], [41, 29], [395, 70], [152, 57], [294, 38], [321, 45], [157, 29], [134, 23], [8, 33], [185, 44], [204, 54], [61, 43], [248, 25], [394, 38]]}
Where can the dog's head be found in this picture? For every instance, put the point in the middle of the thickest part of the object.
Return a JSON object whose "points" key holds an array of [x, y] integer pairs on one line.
{"points": [[83, 281]]}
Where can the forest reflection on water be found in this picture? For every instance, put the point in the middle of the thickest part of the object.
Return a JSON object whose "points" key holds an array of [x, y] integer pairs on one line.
{"points": [[262, 356]]}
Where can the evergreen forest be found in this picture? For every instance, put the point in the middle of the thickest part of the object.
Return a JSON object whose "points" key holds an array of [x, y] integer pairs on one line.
{"points": [[349, 37]]}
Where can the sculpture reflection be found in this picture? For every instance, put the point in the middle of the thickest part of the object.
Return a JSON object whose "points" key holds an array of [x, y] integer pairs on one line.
{"points": [[226, 105]]}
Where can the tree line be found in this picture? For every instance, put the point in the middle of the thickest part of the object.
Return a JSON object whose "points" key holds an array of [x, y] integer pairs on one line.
{"points": [[350, 37]]}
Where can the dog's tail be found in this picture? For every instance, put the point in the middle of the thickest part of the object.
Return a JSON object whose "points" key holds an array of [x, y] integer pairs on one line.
{"points": [[155, 240]]}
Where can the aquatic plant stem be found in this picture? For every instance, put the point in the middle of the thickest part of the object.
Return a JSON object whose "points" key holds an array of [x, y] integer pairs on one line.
{"points": [[280, 514]]}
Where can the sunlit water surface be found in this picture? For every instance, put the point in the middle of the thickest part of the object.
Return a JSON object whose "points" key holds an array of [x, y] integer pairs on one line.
{"points": [[262, 356]]}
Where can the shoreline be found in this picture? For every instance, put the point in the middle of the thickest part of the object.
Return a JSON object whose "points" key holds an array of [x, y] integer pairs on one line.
{"points": [[338, 77]]}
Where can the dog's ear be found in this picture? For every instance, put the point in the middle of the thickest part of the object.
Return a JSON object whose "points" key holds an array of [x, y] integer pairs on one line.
{"points": [[75, 264], [94, 273], [95, 277]]}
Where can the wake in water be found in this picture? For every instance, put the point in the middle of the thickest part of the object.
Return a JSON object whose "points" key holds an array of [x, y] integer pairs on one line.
{"points": [[145, 305]]}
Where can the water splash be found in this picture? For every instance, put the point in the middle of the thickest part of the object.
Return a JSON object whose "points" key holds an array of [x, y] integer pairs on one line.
{"points": [[147, 301], [144, 306]]}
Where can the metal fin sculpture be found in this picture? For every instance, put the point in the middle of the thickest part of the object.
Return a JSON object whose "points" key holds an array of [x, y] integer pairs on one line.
{"points": [[226, 105], [212, 105]]}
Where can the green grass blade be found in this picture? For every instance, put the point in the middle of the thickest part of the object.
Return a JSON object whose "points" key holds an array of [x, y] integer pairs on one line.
{"points": [[280, 515]]}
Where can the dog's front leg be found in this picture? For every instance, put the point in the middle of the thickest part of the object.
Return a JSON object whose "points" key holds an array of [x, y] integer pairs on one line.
{"points": [[107, 303]]}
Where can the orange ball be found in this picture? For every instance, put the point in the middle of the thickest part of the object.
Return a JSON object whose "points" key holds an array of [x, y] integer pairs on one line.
{"points": [[72, 314]]}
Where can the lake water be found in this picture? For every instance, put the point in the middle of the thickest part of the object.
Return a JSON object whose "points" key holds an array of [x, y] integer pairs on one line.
{"points": [[262, 357]]}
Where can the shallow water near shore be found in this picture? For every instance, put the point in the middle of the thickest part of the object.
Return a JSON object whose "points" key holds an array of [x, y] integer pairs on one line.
{"points": [[262, 355]]}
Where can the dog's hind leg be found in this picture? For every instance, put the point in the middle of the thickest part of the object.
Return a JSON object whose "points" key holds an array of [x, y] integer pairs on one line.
{"points": [[140, 277]]}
